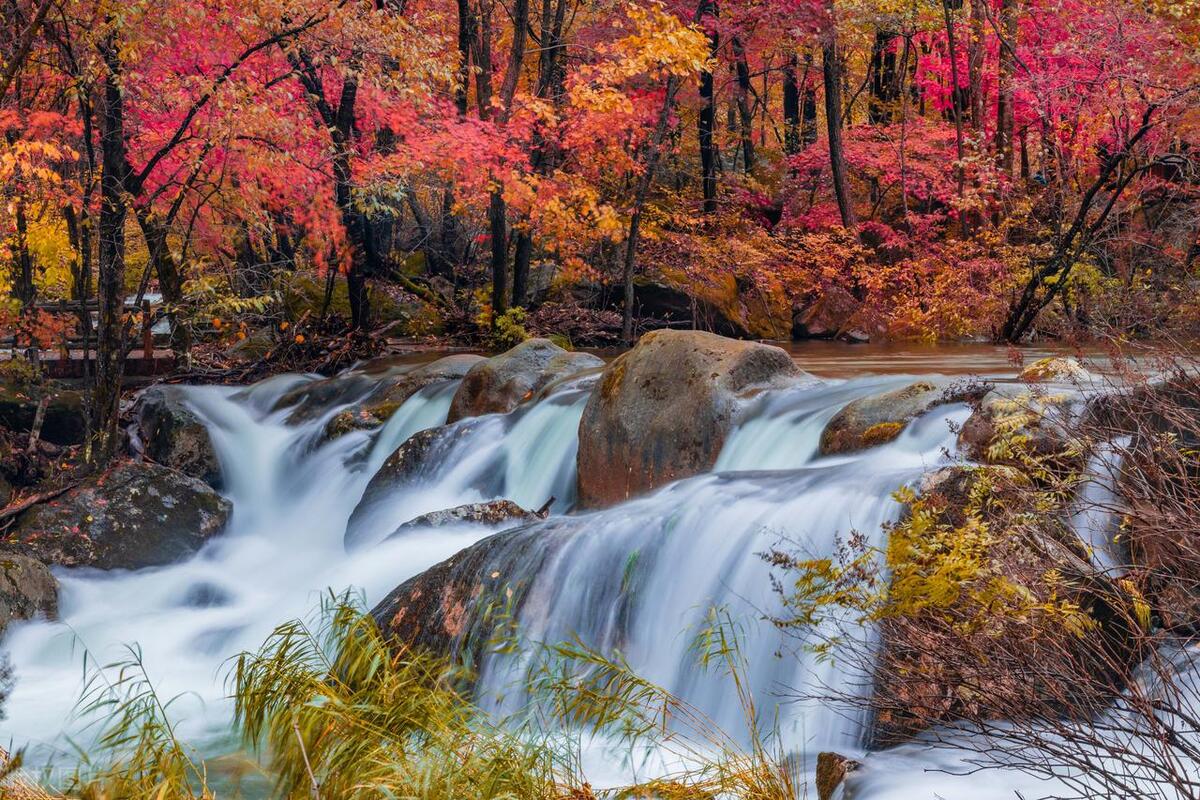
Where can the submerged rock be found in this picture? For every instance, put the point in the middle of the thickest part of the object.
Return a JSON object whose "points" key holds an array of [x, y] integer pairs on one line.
{"points": [[402, 467], [394, 390], [493, 512], [501, 383], [311, 399], [133, 515], [662, 410], [171, 434], [27, 589]]}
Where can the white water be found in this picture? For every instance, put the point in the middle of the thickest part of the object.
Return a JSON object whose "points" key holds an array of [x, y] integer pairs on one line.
{"points": [[640, 576]]}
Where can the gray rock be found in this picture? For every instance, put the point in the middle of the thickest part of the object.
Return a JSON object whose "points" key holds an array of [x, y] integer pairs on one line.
{"points": [[27, 589], [131, 516], [662, 410], [501, 383], [172, 435], [493, 512]]}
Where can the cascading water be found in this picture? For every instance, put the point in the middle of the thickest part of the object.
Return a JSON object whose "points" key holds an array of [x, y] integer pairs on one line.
{"points": [[640, 576]]}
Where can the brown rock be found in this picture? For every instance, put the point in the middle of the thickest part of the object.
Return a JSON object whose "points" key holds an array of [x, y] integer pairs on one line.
{"points": [[832, 769], [501, 383], [662, 410]]}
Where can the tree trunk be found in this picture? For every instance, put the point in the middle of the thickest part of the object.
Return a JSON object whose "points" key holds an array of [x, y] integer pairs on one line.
{"points": [[1004, 100], [955, 101], [23, 287], [883, 79], [352, 219], [791, 108], [975, 56], [549, 85], [808, 105], [639, 202], [831, 69], [745, 118], [110, 339], [706, 121], [170, 280]]}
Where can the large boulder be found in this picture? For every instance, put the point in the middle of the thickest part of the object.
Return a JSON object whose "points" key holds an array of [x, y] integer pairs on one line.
{"points": [[170, 433], [876, 419], [501, 383], [662, 410], [396, 387], [132, 515], [1023, 592], [63, 423], [27, 589]]}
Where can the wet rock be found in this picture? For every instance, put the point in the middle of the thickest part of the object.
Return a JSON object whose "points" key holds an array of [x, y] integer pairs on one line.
{"points": [[1010, 421], [395, 389], [402, 467], [63, 423], [439, 609], [27, 589], [832, 769], [493, 512], [662, 410], [133, 515], [501, 383], [310, 399], [1055, 370], [877, 419], [171, 434]]}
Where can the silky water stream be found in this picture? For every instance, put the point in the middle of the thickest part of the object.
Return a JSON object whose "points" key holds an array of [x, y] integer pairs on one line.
{"points": [[640, 576]]}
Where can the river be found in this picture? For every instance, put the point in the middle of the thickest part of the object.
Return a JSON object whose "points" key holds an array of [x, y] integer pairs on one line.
{"points": [[641, 575]]}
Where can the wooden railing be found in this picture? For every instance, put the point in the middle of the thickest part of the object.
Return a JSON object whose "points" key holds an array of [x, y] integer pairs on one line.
{"points": [[151, 314]]}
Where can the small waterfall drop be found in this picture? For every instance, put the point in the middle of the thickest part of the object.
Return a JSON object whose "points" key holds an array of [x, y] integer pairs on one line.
{"points": [[640, 577]]}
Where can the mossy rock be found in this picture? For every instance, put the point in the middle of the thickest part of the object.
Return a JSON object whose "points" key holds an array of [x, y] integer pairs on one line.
{"points": [[881, 418]]}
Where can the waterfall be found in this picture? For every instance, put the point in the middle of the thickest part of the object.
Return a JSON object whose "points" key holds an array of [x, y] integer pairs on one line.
{"points": [[640, 577]]}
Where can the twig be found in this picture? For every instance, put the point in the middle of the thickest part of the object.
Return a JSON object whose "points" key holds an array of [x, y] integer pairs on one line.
{"points": [[35, 432], [12, 509], [314, 786]]}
